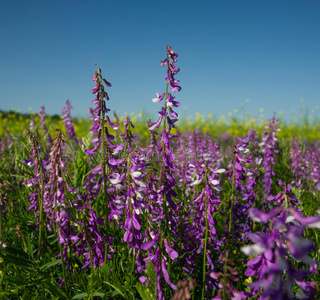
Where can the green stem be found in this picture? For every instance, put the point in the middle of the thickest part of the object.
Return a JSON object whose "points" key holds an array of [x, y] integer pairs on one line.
{"points": [[225, 269], [131, 216], [232, 192], [164, 204], [89, 243], [286, 202], [166, 94], [1, 241], [205, 250], [165, 209], [230, 223], [103, 162], [41, 209], [62, 260], [132, 269], [59, 141]]}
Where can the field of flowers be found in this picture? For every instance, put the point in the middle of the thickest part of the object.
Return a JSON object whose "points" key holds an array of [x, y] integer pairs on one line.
{"points": [[126, 208]]}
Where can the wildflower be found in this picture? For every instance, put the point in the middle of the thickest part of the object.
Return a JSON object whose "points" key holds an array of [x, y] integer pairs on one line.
{"points": [[67, 121], [276, 248], [268, 150]]}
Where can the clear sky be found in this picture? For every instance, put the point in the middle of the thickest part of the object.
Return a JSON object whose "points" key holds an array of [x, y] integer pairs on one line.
{"points": [[267, 51]]}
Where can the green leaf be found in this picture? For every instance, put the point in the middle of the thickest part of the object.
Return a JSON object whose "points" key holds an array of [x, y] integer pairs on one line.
{"points": [[99, 294], [55, 291], [114, 293], [114, 288], [19, 261], [15, 251], [50, 264], [80, 296], [148, 292], [15, 280]]}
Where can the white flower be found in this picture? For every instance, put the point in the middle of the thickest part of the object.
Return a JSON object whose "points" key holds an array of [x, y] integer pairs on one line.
{"points": [[196, 182], [141, 183], [314, 225], [290, 219], [136, 174], [139, 196], [243, 150], [138, 211], [115, 181], [252, 250]]}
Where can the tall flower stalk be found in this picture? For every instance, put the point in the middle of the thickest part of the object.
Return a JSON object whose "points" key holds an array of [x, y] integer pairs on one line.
{"points": [[55, 192], [37, 197], [101, 138], [68, 123], [167, 182], [43, 125], [269, 149]]}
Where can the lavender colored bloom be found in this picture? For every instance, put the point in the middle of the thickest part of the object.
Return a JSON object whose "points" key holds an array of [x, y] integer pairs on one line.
{"points": [[312, 222], [244, 177], [159, 97], [43, 125], [276, 250], [225, 287], [262, 217], [172, 253], [148, 245], [269, 149], [32, 123], [98, 117], [67, 121], [284, 198], [159, 186], [166, 275]]}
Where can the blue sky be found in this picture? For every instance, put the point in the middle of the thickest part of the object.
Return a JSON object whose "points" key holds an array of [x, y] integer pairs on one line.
{"points": [[229, 51]]}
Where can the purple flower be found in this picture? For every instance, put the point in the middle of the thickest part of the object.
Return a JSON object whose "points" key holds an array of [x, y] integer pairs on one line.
{"points": [[313, 222], [43, 125], [166, 275], [276, 248], [98, 124], [172, 253], [268, 150], [67, 121], [149, 245], [262, 217]]}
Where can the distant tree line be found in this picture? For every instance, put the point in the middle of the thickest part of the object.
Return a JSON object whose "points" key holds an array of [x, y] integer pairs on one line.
{"points": [[5, 114]]}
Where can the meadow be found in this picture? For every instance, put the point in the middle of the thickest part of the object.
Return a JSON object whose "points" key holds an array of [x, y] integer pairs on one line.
{"points": [[122, 207]]}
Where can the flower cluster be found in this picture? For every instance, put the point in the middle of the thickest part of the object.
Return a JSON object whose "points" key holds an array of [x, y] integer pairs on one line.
{"points": [[43, 125], [67, 121], [171, 214], [268, 150], [99, 118], [278, 248], [244, 180], [172, 70]]}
